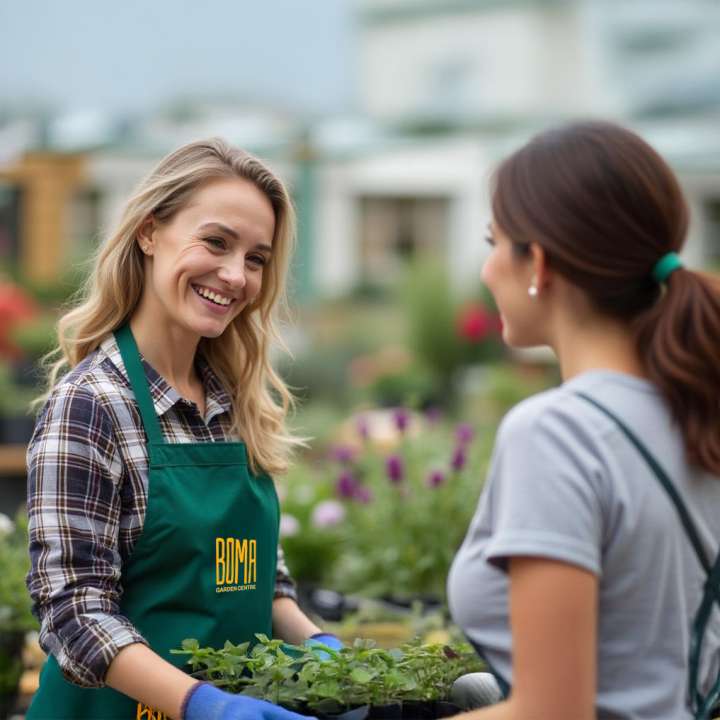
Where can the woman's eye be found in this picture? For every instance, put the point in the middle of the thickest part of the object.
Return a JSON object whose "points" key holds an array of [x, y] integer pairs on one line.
{"points": [[216, 242], [258, 260], [490, 240]]}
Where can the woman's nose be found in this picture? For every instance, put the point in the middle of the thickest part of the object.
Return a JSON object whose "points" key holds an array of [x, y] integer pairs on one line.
{"points": [[233, 273]]}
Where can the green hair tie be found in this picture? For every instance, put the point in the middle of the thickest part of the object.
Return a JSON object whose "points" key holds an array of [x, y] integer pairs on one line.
{"points": [[665, 266]]}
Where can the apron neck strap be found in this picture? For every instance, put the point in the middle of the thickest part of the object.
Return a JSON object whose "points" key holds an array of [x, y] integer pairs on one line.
{"points": [[138, 382]]}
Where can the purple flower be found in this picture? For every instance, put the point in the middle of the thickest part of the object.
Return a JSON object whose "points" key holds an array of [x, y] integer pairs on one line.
{"points": [[346, 485], [435, 478], [327, 513], [344, 454], [362, 427], [395, 469], [433, 414], [401, 417], [363, 494], [464, 433], [459, 458]]}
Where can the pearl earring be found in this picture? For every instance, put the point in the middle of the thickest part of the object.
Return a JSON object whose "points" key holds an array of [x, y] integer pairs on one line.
{"points": [[532, 291]]}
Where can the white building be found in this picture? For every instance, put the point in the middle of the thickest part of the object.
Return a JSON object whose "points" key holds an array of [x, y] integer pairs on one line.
{"points": [[457, 84], [447, 88]]}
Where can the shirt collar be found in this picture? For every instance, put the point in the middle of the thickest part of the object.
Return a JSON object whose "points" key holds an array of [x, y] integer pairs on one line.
{"points": [[164, 396], [217, 398]]}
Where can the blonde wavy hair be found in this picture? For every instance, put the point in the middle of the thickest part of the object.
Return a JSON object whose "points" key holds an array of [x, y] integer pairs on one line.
{"points": [[241, 355]]}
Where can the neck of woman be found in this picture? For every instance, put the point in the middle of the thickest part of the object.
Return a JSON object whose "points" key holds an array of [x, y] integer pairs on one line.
{"points": [[170, 350], [600, 344]]}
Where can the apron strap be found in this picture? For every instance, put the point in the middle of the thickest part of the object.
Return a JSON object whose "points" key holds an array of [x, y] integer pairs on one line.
{"points": [[664, 480], [138, 382], [702, 706]]}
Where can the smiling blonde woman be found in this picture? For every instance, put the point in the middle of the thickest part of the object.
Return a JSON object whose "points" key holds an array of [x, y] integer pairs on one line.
{"points": [[153, 516]]}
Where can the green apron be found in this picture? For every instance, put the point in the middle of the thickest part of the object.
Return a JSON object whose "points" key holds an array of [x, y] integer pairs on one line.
{"points": [[203, 567]]}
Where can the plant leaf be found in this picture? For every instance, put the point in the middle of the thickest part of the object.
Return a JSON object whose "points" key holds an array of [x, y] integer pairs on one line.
{"points": [[360, 676]]}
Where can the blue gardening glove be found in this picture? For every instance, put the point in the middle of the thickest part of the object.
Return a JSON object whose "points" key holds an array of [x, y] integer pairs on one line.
{"points": [[206, 702], [327, 639]]}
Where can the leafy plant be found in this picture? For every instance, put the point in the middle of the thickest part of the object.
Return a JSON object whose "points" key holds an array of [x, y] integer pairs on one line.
{"points": [[309, 537], [15, 603], [446, 332], [15, 399], [35, 338], [408, 509], [362, 674], [412, 387], [15, 615]]}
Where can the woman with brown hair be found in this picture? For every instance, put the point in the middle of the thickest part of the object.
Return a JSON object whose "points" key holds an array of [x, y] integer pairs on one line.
{"points": [[586, 579]]}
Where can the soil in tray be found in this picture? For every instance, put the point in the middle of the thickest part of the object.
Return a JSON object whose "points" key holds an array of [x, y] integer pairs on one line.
{"points": [[411, 710]]}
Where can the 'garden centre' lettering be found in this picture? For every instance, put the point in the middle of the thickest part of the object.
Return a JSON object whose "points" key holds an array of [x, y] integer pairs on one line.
{"points": [[231, 555]]}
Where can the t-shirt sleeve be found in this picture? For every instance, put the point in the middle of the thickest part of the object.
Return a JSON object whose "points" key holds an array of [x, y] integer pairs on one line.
{"points": [[548, 486]]}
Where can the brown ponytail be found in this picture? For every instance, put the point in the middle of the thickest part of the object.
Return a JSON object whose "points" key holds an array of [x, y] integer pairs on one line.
{"points": [[679, 344], [606, 207]]}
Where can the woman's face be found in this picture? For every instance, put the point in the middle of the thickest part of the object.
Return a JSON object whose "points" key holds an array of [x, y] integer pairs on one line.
{"points": [[207, 262], [509, 275]]}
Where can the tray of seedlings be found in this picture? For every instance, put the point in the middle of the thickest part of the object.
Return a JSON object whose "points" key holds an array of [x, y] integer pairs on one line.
{"points": [[358, 682]]}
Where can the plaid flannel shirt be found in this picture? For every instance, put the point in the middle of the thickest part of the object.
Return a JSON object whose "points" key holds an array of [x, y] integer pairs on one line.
{"points": [[87, 496]]}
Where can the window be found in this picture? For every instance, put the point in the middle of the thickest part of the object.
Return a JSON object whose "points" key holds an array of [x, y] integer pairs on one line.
{"points": [[395, 230]]}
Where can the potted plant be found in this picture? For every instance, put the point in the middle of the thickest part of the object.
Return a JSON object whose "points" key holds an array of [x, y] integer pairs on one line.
{"points": [[16, 618], [357, 682], [408, 506]]}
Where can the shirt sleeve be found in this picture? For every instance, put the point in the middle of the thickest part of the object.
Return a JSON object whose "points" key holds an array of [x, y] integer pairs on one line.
{"points": [[284, 584], [74, 472], [547, 497]]}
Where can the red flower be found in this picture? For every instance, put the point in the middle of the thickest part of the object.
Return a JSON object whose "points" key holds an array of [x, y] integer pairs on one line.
{"points": [[475, 323], [16, 306]]}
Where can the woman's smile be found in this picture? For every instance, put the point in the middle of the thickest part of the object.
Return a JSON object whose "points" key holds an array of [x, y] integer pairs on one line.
{"points": [[213, 300]]}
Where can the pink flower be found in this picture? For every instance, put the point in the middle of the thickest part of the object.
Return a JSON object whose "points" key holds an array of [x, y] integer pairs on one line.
{"points": [[464, 433], [289, 525], [363, 494], [327, 513], [343, 454]]}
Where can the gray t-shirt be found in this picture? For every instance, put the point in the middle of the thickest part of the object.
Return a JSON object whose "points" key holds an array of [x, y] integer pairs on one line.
{"points": [[565, 483]]}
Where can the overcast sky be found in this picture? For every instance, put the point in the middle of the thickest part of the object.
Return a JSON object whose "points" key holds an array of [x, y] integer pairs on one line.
{"points": [[135, 54]]}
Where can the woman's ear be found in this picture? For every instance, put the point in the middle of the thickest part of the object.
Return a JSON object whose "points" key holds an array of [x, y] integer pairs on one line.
{"points": [[145, 235], [542, 274]]}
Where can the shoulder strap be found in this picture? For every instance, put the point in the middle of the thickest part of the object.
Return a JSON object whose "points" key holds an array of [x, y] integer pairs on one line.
{"points": [[662, 477], [138, 382], [702, 705]]}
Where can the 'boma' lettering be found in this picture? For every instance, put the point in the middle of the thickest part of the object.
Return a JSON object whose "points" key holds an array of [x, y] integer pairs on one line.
{"points": [[235, 561]]}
